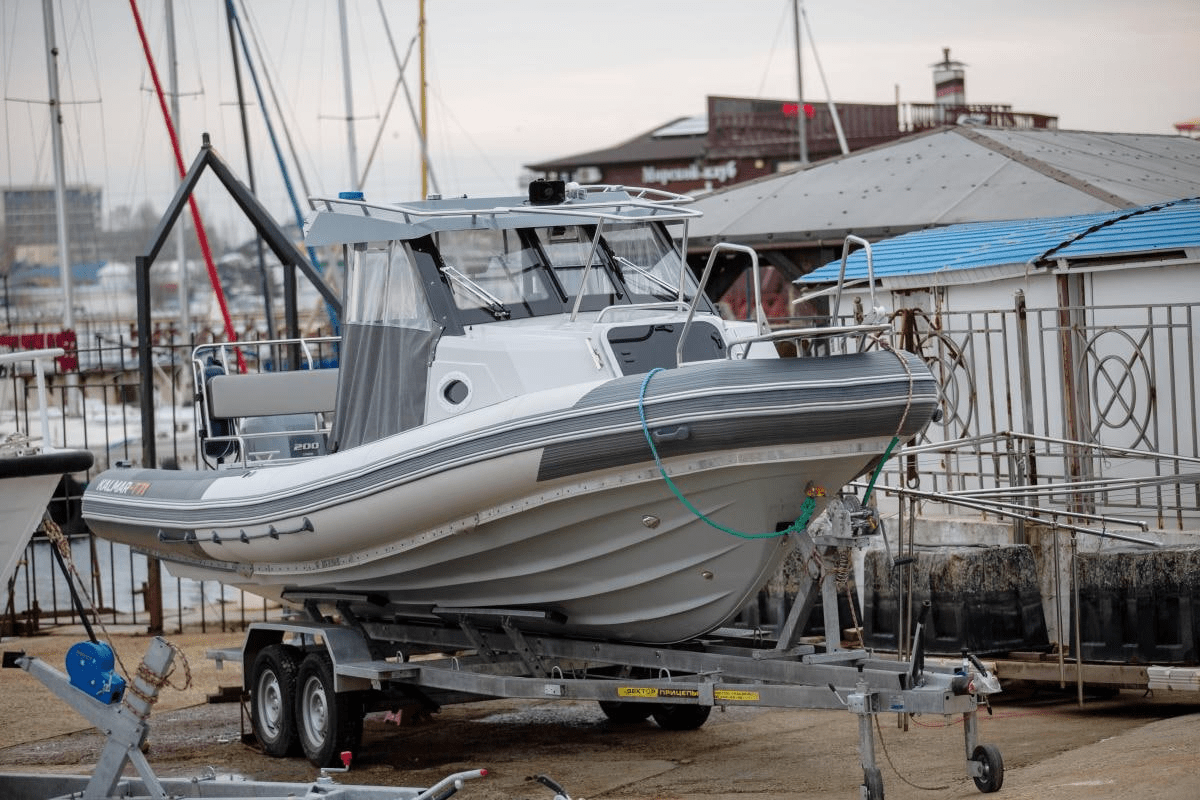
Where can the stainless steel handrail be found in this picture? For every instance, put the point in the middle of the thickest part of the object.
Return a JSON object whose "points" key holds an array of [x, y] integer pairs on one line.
{"points": [[39, 369], [665, 208], [665, 305], [760, 315], [837, 298], [784, 334]]}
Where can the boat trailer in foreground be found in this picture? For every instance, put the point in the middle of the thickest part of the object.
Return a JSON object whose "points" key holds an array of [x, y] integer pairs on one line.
{"points": [[314, 680], [121, 711]]}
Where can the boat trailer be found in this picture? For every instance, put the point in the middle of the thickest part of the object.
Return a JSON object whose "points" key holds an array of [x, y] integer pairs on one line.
{"points": [[314, 680], [122, 710]]}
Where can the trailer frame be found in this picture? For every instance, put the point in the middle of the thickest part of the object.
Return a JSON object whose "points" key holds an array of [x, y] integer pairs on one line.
{"points": [[463, 655]]}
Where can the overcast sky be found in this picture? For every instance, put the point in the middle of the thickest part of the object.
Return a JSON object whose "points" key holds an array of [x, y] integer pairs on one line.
{"points": [[512, 82]]}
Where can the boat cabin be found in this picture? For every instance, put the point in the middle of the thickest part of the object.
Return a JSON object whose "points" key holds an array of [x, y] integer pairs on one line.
{"points": [[455, 304]]}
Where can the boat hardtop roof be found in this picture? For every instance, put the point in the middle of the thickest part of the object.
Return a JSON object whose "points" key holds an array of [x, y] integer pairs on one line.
{"points": [[350, 218]]}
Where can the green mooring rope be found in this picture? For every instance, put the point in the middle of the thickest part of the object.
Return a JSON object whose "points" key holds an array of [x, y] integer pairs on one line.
{"points": [[878, 469], [806, 508]]}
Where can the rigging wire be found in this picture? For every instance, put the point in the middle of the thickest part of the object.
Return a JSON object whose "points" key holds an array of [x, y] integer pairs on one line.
{"points": [[401, 66], [79, 162], [287, 180], [230, 332], [779, 28], [95, 65], [9, 34], [303, 23], [446, 145], [283, 123]]}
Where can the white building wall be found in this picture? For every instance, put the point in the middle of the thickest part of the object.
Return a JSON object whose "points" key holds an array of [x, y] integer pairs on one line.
{"points": [[1140, 341]]}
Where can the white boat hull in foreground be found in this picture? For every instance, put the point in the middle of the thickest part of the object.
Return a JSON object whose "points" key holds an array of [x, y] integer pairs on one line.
{"points": [[551, 505], [29, 475]]}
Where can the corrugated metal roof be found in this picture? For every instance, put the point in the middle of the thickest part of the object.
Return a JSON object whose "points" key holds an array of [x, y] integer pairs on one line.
{"points": [[949, 176], [688, 126], [648, 146], [1142, 231]]}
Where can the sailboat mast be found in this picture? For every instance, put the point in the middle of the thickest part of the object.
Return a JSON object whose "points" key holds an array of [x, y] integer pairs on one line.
{"points": [[60, 191], [264, 276], [424, 108], [347, 89], [800, 120], [185, 312]]}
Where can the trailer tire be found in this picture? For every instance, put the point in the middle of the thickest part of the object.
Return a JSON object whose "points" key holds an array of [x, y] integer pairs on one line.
{"points": [[872, 783], [626, 713], [327, 722], [991, 766], [678, 717], [272, 699]]}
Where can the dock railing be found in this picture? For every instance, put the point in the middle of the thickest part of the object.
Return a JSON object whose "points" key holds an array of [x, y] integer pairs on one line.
{"points": [[96, 407], [1077, 412]]}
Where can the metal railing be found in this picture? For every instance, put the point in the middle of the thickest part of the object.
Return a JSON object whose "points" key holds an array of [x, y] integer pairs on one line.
{"points": [[1101, 413], [1129, 448], [97, 409], [922, 116]]}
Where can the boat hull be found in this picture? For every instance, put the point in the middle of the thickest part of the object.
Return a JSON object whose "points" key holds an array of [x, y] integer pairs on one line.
{"points": [[555, 506], [26, 484]]}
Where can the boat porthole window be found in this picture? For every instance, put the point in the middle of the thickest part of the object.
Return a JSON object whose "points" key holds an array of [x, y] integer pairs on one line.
{"points": [[455, 392]]}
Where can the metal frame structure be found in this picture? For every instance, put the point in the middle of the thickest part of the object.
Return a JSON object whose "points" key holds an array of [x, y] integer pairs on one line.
{"points": [[283, 248]]}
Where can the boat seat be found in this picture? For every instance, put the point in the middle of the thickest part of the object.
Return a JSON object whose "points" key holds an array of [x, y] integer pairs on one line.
{"points": [[272, 393]]}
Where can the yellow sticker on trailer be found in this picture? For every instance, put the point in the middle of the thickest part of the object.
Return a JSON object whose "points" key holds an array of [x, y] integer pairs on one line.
{"points": [[637, 691], [736, 694], [689, 693]]}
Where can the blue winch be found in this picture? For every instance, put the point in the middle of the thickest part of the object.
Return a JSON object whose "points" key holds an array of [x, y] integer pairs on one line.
{"points": [[90, 667]]}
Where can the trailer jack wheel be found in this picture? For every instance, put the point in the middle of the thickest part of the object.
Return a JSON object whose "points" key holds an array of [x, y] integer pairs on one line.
{"points": [[872, 783], [328, 723], [991, 768]]}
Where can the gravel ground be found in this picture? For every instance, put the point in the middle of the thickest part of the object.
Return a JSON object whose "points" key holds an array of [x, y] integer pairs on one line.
{"points": [[1125, 746]]}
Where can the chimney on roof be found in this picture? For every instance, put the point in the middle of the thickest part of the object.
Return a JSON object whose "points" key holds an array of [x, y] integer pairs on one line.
{"points": [[949, 83]]}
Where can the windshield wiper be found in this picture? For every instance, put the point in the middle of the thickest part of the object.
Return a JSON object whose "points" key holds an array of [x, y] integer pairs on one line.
{"points": [[650, 276], [498, 309]]}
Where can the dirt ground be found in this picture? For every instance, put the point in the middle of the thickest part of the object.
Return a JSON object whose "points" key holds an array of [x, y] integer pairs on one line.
{"points": [[1130, 745]]}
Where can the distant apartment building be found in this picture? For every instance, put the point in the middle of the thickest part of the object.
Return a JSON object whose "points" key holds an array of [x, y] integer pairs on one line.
{"points": [[30, 217]]}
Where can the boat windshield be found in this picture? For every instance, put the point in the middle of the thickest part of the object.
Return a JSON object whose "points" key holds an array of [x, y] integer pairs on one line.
{"points": [[648, 265], [493, 271], [567, 248], [504, 273]]}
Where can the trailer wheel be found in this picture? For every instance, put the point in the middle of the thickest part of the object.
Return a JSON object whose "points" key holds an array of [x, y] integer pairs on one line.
{"points": [[626, 713], [678, 717], [327, 722], [991, 777], [873, 783], [272, 699]]}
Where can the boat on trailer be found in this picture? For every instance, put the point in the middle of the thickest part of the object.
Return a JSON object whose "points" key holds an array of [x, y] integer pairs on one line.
{"points": [[536, 414], [30, 468]]}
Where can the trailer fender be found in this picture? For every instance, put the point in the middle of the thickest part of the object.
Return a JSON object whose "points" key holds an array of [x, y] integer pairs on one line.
{"points": [[343, 645]]}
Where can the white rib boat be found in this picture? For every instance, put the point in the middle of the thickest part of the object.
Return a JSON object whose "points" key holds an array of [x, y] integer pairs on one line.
{"points": [[29, 471], [537, 416]]}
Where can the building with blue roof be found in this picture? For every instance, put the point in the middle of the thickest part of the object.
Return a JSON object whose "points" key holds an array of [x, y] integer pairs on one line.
{"points": [[1161, 235], [953, 176]]}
